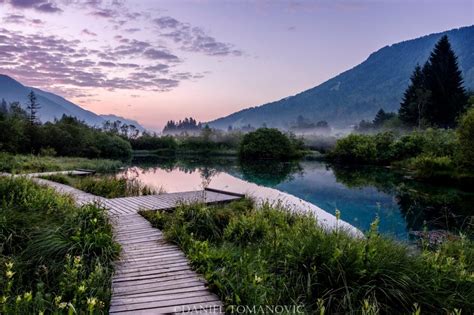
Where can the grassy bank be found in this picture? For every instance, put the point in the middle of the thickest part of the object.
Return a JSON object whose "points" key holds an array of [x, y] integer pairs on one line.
{"points": [[105, 186], [54, 257], [32, 163], [272, 257]]}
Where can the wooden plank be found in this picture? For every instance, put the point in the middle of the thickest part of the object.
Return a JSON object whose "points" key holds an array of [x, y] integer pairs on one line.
{"points": [[164, 297], [172, 304], [176, 281], [152, 275], [199, 286], [160, 288]]}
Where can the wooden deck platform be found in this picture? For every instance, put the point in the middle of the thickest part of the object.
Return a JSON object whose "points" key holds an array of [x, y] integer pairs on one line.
{"points": [[152, 276]]}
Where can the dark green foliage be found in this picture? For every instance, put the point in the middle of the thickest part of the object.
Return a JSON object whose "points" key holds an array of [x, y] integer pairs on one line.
{"points": [[443, 78], [414, 100], [364, 149], [384, 149], [67, 137], [153, 142], [271, 256], [33, 108], [381, 118], [465, 134], [435, 96], [268, 143], [13, 126], [56, 252]]}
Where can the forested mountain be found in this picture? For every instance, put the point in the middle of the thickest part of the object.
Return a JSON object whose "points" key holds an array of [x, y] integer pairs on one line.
{"points": [[378, 82], [52, 105]]}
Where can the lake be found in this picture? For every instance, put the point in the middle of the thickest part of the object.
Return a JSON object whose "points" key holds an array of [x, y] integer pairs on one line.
{"points": [[360, 194]]}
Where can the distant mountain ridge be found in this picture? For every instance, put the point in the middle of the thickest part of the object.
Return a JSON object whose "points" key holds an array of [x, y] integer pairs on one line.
{"points": [[358, 93], [52, 105]]}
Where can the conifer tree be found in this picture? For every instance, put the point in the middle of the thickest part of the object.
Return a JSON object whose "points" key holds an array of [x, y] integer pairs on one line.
{"points": [[443, 78], [409, 112], [33, 107], [3, 106]]}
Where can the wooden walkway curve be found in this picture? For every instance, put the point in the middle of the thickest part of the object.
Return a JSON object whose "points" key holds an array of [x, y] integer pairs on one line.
{"points": [[152, 276]]}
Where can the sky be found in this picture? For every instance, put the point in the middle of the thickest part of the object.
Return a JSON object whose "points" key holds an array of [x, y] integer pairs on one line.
{"points": [[157, 60]]}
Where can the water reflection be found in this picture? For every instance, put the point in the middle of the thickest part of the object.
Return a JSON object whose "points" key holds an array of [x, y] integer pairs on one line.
{"points": [[361, 194], [422, 205]]}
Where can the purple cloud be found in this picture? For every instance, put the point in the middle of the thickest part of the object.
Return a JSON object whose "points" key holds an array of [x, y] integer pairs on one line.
{"points": [[87, 32], [104, 13], [45, 6], [167, 22], [193, 39], [61, 64], [155, 54]]}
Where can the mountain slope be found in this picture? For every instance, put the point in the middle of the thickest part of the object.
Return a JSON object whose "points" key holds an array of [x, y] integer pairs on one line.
{"points": [[360, 92], [52, 105]]}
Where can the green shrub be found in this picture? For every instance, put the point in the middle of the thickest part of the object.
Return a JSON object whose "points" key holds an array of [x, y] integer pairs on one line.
{"points": [[270, 256], [268, 143], [383, 148], [432, 166], [47, 152], [465, 134], [150, 142], [355, 148]]}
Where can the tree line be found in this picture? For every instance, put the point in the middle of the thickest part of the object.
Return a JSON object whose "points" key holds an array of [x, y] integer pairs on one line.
{"points": [[435, 96], [22, 132]]}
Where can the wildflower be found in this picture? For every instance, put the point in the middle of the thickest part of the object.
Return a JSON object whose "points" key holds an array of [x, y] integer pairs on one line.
{"points": [[28, 296], [9, 274], [81, 288], [9, 265], [62, 305], [57, 299], [258, 279], [77, 260], [338, 214], [3, 299], [18, 299], [91, 302]]}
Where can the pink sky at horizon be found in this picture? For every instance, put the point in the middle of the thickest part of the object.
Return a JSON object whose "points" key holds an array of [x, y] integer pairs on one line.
{"points": [[153, 61]]}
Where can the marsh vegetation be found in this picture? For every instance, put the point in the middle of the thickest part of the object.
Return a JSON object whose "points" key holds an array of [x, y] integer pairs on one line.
{"points": [[55, 257], [271, 256]]}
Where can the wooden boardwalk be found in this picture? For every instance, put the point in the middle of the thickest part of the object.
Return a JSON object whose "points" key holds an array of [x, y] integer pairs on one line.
{"points": [[152, 276]]}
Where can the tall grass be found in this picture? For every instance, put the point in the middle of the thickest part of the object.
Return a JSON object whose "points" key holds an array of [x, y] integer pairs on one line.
{"points": [[33, 163], [54, 257], [106, 186], [273, 257]]}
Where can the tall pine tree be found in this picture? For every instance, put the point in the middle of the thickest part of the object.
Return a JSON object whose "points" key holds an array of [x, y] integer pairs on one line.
{"points": [[443, 78], [409, 112], [33, 107]]}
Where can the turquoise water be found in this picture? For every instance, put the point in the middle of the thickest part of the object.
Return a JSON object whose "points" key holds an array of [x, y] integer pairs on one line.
{"points": [[401, 204]]}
